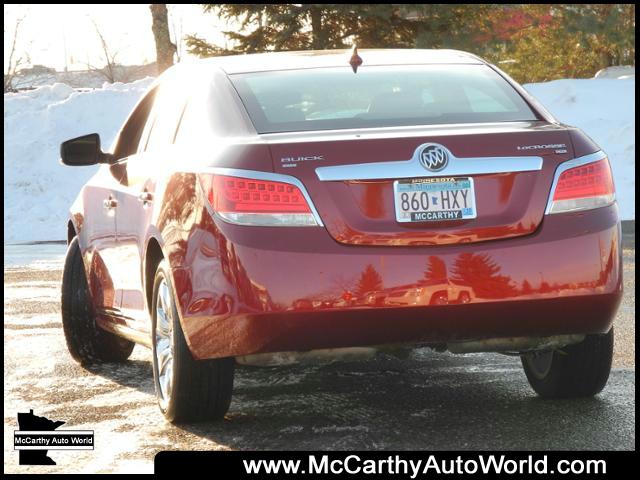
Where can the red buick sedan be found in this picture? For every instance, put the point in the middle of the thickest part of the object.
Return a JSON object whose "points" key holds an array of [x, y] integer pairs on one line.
{"points": [[314, 202]]}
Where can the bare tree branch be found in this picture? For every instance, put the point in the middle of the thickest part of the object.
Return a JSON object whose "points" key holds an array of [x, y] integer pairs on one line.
{"points": [[108, 70], [13, 63]]}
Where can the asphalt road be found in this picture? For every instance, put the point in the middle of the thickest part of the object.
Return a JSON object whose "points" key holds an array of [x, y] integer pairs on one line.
{"points": [[428, 401]]}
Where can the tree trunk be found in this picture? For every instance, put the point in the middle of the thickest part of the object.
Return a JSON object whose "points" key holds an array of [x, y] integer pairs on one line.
{"points": [[160, 27], [318, 35]]}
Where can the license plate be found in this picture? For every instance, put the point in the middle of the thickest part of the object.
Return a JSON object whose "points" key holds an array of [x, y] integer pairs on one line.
{"points": [[434, 199]]}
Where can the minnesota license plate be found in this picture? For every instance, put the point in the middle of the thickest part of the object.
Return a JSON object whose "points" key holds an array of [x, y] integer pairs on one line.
{"points": [[434, 199]]}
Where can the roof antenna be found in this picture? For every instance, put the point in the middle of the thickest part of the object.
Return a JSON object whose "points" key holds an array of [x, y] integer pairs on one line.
{"points": [[355, 61]]}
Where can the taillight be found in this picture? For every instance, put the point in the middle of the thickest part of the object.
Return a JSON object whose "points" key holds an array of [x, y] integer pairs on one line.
{"points": [[252, 201], [583, 187]]}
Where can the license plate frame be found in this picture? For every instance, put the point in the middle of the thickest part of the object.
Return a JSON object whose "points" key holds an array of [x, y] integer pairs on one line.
{"points": [[462, 207]]}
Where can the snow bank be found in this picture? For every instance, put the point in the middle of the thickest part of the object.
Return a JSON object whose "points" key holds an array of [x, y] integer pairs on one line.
{"points": [[616, 72], [604, 108], [38, 190]]}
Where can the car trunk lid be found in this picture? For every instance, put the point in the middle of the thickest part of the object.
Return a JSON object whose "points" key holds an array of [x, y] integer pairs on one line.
{"points": [[350, 177]]}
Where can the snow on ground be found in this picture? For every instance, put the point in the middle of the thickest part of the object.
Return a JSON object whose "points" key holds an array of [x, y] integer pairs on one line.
{"points": [[616, 72], [38, 190], [43, 256]]}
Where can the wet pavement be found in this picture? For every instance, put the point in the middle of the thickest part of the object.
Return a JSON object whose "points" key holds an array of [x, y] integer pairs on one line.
{"points": [[428, 401]]}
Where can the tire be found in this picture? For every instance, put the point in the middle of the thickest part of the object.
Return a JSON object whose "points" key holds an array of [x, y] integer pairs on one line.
{"points": [[579, 370], [464, 297], [188, 390], [87, 343], [439, 298]]}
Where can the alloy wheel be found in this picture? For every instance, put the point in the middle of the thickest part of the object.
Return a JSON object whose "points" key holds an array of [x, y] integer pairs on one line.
{"points": [[540, 363], [163, 337]]}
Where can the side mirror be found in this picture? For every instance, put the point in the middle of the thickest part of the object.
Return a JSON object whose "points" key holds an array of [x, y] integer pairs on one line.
{"points": [[83, 151]]}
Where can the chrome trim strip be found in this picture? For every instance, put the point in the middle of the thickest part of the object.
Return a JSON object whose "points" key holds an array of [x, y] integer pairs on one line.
{"points": [[271, 220], [275, 177], [413, 169], [410, 131], [576, 162]]}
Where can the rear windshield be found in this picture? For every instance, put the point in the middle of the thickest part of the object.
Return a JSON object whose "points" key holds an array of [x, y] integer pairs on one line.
{"points": [[380, 96]]}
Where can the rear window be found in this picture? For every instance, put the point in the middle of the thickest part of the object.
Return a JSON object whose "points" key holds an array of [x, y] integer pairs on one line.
{"points": [[389, 96]]}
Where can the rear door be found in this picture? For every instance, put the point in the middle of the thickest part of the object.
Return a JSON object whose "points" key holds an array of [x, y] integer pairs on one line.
{"points": [[123, 262], [137, 194], [98, 233]]}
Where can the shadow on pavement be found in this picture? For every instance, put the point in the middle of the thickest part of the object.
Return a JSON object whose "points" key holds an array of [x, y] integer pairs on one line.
{"points": [[436, 404]]}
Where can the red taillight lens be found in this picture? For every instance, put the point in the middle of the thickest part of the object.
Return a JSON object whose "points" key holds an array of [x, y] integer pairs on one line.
{"points": [[584, 187], [250, 201], [232, 194], [590, 180]]}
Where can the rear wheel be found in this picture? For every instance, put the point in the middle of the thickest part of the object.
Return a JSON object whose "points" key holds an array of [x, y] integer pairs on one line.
{"points": [[86, 342], [187, 389], [464, 297], [440, 298], [579, 370]]}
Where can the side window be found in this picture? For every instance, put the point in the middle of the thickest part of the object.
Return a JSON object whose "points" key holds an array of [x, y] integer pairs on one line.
{"points": [[164, 121], [188, 123], [126, 143]]}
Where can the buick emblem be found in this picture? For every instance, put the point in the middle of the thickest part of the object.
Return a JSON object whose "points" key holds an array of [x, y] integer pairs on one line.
{"points": [[434, 158]]}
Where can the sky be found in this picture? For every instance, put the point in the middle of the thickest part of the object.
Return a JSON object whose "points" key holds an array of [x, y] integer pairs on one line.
{"points": [[59, 35]]}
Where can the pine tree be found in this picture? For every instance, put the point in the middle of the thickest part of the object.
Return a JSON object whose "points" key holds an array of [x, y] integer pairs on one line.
{"points": [[370, 281], [531, 42], [436, 269], [483, 274], [315, 26]]}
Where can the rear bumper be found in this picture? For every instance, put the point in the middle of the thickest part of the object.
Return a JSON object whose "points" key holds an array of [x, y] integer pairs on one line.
{"points": [[247, 290]]}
